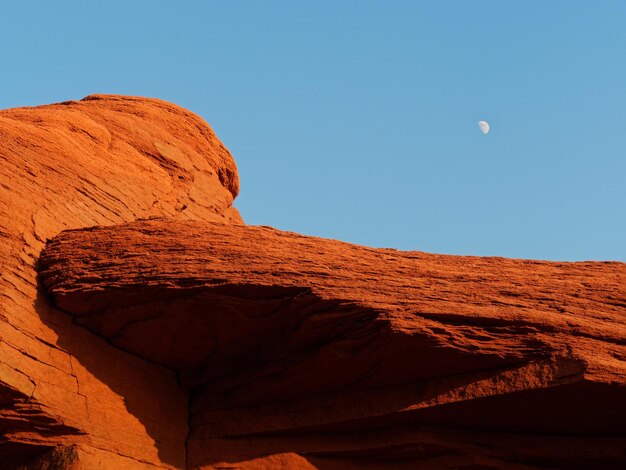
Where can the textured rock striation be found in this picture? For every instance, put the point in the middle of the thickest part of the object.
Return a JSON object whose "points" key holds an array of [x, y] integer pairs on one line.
{"points": [[341, 352], [143, 325], [100, 161]]}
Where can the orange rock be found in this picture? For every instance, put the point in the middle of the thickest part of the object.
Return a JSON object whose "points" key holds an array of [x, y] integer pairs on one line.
{"points": [[190, 340], [99, 161], [300, 345]]}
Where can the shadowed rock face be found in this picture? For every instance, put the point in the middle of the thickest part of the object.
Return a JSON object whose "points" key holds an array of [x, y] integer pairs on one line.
{"points": [[192, 340]]}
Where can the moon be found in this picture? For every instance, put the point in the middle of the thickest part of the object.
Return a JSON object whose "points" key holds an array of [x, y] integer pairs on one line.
{"points": [[484, 127]]}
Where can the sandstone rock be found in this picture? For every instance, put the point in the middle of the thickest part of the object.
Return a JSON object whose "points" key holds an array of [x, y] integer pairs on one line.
{"points": [[342, 353], [155, 330], [99, 161]]}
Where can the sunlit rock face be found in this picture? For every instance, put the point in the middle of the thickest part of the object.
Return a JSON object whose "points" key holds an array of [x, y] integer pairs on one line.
{"points": [[143, 325], [100, 161]]}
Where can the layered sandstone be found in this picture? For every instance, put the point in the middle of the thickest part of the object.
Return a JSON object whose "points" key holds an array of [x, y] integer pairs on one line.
{"points": [[100, 161], [142, 325], [342, 353]]}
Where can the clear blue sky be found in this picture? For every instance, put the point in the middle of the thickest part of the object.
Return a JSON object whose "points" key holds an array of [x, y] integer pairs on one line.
{"points": [[357, 120]]}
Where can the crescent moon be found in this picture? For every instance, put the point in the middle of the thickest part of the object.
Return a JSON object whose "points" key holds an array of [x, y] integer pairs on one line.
{"points": [[484, 127]]}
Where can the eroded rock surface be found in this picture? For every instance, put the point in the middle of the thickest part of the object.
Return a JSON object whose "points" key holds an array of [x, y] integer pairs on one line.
{"points": [[143, 326], [99, 161], [341, 353]]}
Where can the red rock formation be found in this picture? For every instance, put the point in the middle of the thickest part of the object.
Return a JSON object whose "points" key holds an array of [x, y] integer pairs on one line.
{"points": [[285, 339], [203, 344]]}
